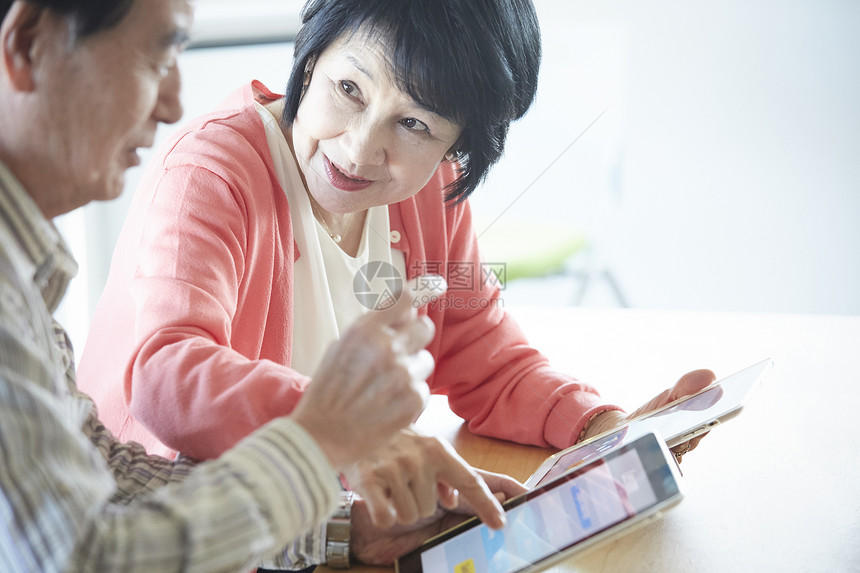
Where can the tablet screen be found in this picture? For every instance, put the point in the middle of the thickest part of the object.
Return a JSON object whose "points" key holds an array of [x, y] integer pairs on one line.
{"points": [[554, 518]]}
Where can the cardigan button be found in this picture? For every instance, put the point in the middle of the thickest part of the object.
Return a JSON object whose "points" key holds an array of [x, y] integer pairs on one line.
{"points": [[395, 236]]}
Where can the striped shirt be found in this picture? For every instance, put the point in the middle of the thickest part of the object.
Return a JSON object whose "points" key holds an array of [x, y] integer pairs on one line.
{"points": [[72, 498]]}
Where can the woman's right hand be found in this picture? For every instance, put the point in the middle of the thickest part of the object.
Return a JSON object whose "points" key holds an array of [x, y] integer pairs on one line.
{"points": [[371, 382]]}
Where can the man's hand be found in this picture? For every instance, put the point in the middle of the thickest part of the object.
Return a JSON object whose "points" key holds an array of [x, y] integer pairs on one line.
{"points": [[413, 475], [375, 545], [689, 383], [371, 382]]}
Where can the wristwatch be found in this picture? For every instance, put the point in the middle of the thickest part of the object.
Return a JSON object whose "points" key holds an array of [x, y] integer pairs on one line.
{"points": [[337, 533]]}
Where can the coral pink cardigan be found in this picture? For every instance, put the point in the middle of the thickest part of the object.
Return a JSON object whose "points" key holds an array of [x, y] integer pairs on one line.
{"points": [[190, 344]]}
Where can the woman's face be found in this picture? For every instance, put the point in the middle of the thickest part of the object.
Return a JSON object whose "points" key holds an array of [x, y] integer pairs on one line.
{"points": [[360, 141]]}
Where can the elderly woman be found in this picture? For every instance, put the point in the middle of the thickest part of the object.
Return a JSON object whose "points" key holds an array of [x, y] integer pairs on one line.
{"points": [[239, 261]]}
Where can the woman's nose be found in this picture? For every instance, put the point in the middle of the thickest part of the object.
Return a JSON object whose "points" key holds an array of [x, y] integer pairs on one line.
{"points": [[366, 143]]}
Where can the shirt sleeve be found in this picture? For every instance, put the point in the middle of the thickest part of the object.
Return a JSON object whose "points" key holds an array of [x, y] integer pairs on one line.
{"points": [[70, 506], [136, 474]]}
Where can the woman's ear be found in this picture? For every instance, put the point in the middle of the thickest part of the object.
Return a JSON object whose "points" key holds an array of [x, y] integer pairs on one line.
{"points": [[309, 72], [19, 35], [453, 155]]}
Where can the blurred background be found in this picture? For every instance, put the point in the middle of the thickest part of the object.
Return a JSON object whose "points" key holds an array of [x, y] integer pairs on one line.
{"points": [[686, 155]]}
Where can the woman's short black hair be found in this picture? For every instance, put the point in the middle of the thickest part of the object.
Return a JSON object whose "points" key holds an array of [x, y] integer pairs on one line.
{"points": [[89, 16], [474, 62]]}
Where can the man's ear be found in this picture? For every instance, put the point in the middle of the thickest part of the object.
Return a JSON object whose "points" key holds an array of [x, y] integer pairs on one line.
{"points": [[19, 32]]}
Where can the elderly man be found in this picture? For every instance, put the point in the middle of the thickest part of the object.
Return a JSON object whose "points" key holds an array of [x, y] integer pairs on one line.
{"points": [[83, 86]]}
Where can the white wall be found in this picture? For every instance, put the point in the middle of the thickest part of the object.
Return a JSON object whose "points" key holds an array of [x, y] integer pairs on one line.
{"points": [[758, 131], [733, 140]]}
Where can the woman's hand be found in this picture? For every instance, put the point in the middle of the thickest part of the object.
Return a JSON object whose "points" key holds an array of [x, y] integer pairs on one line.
{"points": [[374, 545], [371, 382], [408, 479], [689, 384]]}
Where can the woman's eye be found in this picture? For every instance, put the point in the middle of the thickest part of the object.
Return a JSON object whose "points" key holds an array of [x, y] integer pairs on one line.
{"points": [[414, 124], [348, 87]]}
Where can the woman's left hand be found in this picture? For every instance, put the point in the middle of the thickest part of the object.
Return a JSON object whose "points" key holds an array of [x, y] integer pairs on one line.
{"points": [[689, 383]]}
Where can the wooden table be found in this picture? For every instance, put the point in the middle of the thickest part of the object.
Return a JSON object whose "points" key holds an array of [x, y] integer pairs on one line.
{"points": [[776, 489]]}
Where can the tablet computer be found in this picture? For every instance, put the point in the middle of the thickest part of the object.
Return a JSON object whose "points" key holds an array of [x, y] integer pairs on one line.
{"points": [[628, 486], [677, 422]]}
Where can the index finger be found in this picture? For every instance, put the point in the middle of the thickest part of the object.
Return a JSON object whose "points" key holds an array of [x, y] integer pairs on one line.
{"points": [[475, 493]]}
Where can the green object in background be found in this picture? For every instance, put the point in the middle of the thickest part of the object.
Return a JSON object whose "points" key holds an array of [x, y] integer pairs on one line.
{"points": [[528, 249]]}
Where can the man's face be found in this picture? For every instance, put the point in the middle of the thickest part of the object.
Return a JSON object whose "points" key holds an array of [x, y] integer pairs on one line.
{"points": [[106, 94]]}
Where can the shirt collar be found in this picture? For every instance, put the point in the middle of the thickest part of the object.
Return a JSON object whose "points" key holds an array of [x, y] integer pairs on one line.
{"points": [[38, 238]]}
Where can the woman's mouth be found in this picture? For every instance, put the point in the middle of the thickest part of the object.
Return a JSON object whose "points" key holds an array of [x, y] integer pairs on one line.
{"points": [[340, 180]]}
